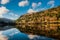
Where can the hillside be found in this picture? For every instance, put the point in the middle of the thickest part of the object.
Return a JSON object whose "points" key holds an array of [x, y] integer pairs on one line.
{"points": [[46, 23]]}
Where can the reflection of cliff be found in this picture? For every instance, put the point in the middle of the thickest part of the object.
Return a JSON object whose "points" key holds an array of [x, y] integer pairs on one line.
{"points": [[42, 23]]}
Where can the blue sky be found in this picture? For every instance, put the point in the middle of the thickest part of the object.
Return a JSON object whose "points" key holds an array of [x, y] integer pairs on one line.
{"points": [[13, 9]]}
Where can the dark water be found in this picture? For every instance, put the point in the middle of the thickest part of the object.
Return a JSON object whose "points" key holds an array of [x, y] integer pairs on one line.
{"points": [[15, 34]]}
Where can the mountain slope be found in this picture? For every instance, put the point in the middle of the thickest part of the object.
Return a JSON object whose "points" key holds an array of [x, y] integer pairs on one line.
{"points": [[46, 23], [5, 20]]}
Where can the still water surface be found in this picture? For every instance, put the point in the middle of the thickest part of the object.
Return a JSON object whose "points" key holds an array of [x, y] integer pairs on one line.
{"points": [[15, 34]]}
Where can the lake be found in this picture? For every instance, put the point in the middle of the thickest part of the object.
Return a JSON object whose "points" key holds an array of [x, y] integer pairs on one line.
{"points": [[15, 34]]}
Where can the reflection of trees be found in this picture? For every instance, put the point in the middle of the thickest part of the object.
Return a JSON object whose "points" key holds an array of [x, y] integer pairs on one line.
{"points": [[46, 22], [3, 23]]}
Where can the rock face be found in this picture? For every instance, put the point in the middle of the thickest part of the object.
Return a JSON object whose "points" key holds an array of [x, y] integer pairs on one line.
{"points": [[45, 23]]}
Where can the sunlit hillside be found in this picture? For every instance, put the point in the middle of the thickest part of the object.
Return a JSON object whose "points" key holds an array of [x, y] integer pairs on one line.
{"points": [[46, 23]]}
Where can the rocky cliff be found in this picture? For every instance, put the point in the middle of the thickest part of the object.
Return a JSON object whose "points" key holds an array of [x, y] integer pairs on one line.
{"points": [[45, 23]]}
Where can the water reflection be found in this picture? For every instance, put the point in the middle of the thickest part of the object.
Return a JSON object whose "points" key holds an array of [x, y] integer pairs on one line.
{"points": [[15, 34], [49, 30], [6, 27]]}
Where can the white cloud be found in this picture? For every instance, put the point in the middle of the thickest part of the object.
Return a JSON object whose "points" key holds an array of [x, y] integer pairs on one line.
{"points": [[4, 1], [51, 3], [52, 6], [34, 5], [39, 3], [32, 36], [13, 16], [13, 31], [3, 37], [1, 32], [31, 11], [42, 9], [1, 16], [3, 10], [23, 3]]}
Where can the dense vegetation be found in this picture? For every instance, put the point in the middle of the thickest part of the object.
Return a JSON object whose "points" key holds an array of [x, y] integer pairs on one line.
{"points": [[5, 22], [46, 23]]}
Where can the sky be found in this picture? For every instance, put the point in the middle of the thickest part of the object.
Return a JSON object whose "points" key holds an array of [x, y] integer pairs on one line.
{"points": [[13, 9]]}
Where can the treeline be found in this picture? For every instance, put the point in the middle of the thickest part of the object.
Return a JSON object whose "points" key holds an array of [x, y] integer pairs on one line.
{"points": [[2, 23]]}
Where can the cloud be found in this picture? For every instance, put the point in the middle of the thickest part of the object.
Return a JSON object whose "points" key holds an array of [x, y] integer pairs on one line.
{"points": [[13, 16], [42, 9], [3, 10], [1, 16], [51, 3], [39, 3], [23, 3], [32, 36], [4, 1], [34, 5], [1, 32], [3, 37], [36, 37], [31, 11], [12, 31]]}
